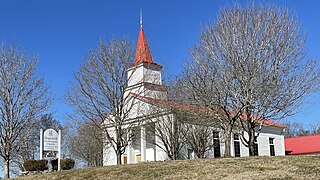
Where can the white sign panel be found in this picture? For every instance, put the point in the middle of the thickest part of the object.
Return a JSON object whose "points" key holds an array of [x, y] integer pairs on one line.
{"points": [[50, 140]]}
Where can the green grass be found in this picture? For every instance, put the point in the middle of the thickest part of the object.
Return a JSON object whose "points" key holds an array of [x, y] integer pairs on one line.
{"points": [[289, 167]]}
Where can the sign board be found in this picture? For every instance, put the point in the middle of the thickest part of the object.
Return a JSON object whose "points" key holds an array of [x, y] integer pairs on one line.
{"points": [[50, 140]]}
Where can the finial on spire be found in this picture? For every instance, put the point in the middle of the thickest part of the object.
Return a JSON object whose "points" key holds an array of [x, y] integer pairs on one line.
{"points": [[140, 18]]}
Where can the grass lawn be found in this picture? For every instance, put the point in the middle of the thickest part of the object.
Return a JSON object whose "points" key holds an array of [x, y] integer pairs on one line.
{"points": [[289, 167]]}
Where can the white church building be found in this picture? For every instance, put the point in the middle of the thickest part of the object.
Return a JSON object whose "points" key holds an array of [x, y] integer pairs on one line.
{"points": [[145, 87]]}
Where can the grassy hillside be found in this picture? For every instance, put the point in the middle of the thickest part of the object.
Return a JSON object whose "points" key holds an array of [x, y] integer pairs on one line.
{"points": [[292, 167]]}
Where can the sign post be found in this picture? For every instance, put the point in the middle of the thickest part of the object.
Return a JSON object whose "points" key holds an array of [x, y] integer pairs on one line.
{"points": [[50, 145], [59, 148], [41, 145]]}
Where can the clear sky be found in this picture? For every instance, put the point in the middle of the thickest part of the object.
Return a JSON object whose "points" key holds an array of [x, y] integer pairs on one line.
{"points": [[62, 32]]}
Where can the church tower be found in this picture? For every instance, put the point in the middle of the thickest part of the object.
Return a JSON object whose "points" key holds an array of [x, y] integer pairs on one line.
{"points": [[144, 76]]}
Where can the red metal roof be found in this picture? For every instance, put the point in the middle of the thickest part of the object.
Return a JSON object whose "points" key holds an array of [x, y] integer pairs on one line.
{"points": [[264, 121], [303, 144], [143, 54], [268, 122], [183, 106], [191, 107]]}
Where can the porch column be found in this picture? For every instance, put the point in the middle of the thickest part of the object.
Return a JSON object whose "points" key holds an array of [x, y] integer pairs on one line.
{"points": [[155, 147], [143, 143], [129, 149]]}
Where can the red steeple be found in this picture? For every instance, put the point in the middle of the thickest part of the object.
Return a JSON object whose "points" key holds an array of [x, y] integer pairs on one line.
{"points": [[143, 54]]}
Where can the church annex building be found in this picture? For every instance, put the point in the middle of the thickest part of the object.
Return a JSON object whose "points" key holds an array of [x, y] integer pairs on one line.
{"points": [[145, 86]]}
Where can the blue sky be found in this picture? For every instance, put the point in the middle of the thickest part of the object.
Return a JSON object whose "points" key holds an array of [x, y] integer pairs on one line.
{"points": [[62, 32]]}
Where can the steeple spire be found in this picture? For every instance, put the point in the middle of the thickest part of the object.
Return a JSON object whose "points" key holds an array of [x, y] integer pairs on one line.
{"points": [[143, 54]]}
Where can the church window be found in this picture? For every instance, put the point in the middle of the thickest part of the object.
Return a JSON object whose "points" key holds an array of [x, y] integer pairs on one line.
{"points": [[236, 144], [216, 144], [271, 144]]}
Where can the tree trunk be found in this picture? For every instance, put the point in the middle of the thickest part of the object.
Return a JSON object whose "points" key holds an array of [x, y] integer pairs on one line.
{"points": [[6, 169], [227, 150], [118, 157], [118, 144], [175, 139], [251, 143], [200, 155], [251, 150]]}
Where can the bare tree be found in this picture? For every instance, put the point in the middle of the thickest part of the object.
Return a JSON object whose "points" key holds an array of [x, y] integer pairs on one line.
{"points": [[293, 129], [47, 121], [199, 139], [178, 124], [202, 110], [99, 92], [202, 84], [298, 129], [23, 97], [198, 130], [313, 129], [165, 125], [258, 54], [86, 144]]}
